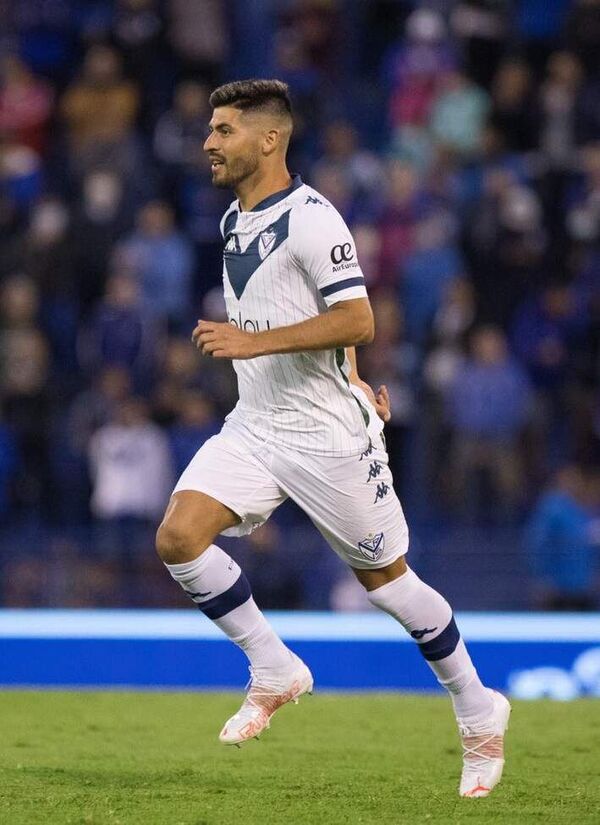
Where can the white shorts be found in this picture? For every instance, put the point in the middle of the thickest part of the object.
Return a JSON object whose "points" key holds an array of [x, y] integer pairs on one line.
{"points": [[351, 500]]}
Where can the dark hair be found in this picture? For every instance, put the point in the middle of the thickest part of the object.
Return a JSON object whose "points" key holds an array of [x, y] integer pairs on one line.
{"points": [[254, 95]]}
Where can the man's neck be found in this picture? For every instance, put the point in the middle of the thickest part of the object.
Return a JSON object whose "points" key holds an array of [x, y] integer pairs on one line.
{"points": [[259, 186]]}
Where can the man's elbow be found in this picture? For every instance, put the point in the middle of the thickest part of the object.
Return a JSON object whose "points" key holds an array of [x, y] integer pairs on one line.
{"points": [[355, 321], [365, 330]]}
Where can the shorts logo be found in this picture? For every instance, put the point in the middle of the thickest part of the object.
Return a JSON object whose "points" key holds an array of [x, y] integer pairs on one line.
{"points": [[374, 470], [367, 452], [382, 491], [265, 243], [372, 546]]}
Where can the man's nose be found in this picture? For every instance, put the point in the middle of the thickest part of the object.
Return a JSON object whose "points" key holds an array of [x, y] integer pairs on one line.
{"points": [[209, 142]]}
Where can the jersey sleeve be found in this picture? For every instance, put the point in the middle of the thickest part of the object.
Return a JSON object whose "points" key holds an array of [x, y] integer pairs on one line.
{"points": [[322, 245]]}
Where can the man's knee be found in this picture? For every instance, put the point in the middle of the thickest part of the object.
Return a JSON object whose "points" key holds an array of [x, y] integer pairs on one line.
{"points": [[176, 544], [190, 525], [372, 579]]}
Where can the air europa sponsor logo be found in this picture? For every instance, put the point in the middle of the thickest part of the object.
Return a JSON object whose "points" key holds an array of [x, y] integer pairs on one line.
{"points": [[342, 256], [341, 252], [250, 324]]}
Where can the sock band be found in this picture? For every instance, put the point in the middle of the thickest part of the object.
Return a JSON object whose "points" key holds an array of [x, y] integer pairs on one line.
{"points": [[225, 602], [443, 645]]}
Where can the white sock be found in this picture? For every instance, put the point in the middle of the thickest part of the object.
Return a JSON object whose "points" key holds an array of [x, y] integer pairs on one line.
{"points": [[427, 616], [215, 582]]}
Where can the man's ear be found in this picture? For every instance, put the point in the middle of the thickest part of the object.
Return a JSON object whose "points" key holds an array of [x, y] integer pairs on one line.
{"points": [[271, 141]]}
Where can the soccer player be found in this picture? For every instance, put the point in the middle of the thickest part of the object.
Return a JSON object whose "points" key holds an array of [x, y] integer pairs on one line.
{"points": [[306, 427]]}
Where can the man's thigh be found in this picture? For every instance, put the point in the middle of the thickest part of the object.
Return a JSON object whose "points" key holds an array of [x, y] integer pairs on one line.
{"points": [[350, 500], [227, 470]]}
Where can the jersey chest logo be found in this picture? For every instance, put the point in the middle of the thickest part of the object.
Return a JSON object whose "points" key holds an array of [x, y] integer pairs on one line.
{"points": [[241, 266], [266, 240]]}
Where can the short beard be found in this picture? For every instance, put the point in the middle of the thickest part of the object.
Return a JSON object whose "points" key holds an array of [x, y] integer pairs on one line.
{"points": [[237, 171]]}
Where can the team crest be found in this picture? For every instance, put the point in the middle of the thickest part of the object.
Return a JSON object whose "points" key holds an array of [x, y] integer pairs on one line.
{"points": [[265, 243], [372, 546]]}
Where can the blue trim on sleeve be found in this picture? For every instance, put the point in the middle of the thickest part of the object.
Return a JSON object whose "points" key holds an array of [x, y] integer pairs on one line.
{"points": [[339, 285], [443, 645], [237, 594]]}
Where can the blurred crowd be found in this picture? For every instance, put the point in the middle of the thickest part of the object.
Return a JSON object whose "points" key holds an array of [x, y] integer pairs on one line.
{"points": [[460, 140]]}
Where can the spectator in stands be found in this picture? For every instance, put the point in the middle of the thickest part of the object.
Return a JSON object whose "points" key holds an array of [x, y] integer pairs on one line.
{"points": [[451, 327], [514, 111], [181, 131], [506, 243], [292, 64], [99, 109], [547, 333], [96, 406], [459, 113], [583, 205], [404, 203], [488, 405], [362, 169], [558, 98], [26, 392], [434, 262], [91, 409], [21, 173], [131, 465], [138, 32], [195, 423], [482, 30], [414, 66], [99, 219], [120, 333], [132, 476], [9, 467], [182, 370], [46, 256], [161, 260], [562, 540], [25, 105], [199, 35]]}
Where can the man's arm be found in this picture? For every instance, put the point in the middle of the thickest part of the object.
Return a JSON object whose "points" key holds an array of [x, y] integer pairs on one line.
{"points": [[345, 324], [381, 400]]}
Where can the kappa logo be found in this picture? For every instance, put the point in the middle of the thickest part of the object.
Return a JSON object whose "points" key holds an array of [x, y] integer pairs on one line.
{"points": [[372, 546], [382, 491], [419, 634], [374, 470], [266, 242], [195, 596], [310, 199], [232, 244], [366, 453]]}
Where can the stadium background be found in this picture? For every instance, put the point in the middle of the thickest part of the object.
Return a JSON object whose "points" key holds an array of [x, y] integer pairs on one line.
{"points": [[459, 140]]}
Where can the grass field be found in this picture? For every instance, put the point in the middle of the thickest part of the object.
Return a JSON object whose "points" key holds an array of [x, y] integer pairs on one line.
{"points": [[154, 758]]}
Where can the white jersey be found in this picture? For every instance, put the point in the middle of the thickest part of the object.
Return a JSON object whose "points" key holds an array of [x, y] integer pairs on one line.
{"points": [[287, 260]]}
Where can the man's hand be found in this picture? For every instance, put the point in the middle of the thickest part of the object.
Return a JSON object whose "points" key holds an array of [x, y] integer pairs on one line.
{"points": [[381, 400], [224, 340]]}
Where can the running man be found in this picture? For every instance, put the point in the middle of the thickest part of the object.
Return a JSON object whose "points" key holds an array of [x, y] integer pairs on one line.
{"points": [[305, 427]]}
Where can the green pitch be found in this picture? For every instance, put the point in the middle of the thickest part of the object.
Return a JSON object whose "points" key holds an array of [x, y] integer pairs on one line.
{"points": [[128, 758]]}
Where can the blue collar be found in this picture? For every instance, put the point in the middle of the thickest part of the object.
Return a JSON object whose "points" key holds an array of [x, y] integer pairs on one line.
{"points": [[271, 200]]}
